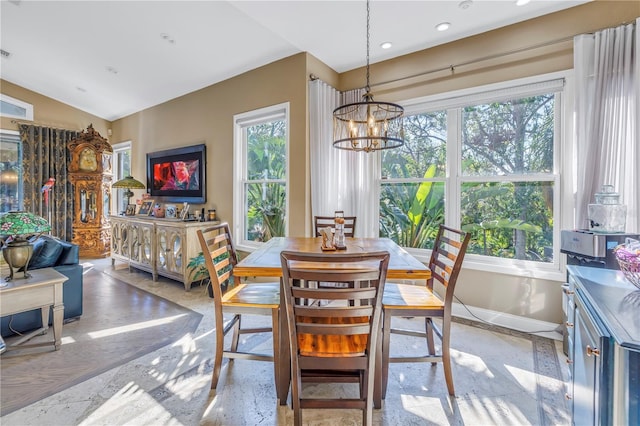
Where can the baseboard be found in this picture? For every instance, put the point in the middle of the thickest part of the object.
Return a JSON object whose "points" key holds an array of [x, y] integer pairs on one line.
{"points": [[513, 322]]}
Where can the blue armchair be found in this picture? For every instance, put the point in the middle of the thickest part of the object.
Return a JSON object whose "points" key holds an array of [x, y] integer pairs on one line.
{"points": [[64, 257]]}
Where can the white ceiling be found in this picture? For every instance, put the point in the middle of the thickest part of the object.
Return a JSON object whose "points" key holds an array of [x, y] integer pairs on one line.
{"points": [[66, 49]]}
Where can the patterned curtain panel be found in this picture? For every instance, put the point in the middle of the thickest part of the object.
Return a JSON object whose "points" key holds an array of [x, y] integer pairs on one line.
{"points": [[45, 156]]}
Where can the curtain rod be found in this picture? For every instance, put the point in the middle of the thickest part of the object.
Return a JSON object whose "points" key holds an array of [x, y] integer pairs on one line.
{"points": [[452, 67]]}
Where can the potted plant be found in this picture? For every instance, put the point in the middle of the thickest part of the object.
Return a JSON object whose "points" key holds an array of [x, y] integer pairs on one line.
{"points": [[198, 271]]}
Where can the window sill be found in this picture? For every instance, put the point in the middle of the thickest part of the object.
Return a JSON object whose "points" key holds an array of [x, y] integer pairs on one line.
{"points": [[523, 270], [514, 268]]}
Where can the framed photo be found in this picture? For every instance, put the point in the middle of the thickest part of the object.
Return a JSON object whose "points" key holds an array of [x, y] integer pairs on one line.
{"points": [[146, 207], [184, 213], [170, 211], [131, 210]]}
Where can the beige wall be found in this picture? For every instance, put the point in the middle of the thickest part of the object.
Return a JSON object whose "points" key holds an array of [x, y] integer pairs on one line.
{"points": [[207, 116], [49, 112]]}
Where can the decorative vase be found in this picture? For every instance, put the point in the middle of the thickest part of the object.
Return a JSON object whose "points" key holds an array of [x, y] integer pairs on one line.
{"points": [[339, 237]]}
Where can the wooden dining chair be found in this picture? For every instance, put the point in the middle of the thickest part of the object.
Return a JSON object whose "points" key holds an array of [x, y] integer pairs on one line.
{"points": [[334, 343], [406, 300], [320, 222], [236, 299]]}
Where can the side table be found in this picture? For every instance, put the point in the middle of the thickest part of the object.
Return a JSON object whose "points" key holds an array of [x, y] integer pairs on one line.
{"points": [[43, 290]]}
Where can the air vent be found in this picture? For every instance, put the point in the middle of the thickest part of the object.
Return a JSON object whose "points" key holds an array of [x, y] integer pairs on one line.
{"points": [[4, 53]]}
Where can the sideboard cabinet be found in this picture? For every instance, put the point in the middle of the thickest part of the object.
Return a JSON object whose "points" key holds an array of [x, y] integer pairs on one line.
{"points": [[162, 247], [606, 348]]}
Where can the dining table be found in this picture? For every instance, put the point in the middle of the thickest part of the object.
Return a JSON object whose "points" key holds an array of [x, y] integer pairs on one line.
{"points": [[265, 262]]}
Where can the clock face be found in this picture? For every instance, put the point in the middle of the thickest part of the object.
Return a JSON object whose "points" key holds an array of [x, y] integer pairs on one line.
{"points": [[88, 160]]}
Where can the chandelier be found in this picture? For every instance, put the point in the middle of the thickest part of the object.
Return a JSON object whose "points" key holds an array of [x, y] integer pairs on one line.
{"points": [[368, 125]]}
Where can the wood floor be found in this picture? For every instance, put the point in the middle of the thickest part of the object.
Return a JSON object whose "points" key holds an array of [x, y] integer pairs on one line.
{"points": [[120, 323]]}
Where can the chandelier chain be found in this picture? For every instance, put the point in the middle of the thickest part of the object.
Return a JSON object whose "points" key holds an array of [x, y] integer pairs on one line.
{"points": [[368, 126], [367, 87]]}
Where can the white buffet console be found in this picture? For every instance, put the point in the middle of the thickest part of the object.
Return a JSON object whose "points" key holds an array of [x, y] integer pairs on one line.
{"points": [[159, 246], [605, 354]]}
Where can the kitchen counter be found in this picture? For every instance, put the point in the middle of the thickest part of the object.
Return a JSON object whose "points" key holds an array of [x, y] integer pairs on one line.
{"points": [[615, 300]]}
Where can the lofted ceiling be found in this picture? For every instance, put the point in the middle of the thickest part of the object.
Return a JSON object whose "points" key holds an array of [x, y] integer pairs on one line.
{"points": [[115, 58]]}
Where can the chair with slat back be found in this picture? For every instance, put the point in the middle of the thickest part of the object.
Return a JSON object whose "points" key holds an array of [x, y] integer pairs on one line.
{"points": [[320, 222], [334, 343], [406, 300], [235, 299]]}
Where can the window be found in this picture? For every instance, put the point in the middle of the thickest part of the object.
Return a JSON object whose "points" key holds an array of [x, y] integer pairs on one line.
{"points": [[261, 175], [484, 162], [121, 169], [412, 198], [15, 108], [10, 171]]}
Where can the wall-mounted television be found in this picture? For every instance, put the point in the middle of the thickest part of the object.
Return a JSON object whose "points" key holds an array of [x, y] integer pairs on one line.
{"points": [[178, 174]]}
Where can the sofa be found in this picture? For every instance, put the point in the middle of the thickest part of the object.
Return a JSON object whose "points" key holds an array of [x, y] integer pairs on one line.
{"points": [[64, 257]]}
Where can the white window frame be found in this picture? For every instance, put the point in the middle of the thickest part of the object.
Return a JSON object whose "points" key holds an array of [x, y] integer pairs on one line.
{"points": [[11, 134], [240, 123], [28, 108], [561, 175], [115, 198]]}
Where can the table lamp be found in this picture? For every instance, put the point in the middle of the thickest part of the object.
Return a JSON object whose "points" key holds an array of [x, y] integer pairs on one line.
{"points": [[128, 183], [16, 226]]}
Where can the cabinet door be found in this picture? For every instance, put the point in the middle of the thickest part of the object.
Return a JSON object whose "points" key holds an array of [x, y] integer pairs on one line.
{"points": [[568, 300], [141, 243], [119, 241], [590, 406], [169, 249], [146, 246], [134, 241]]}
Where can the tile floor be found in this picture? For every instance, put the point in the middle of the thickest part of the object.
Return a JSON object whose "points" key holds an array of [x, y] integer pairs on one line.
{"points": [[500, 378]]}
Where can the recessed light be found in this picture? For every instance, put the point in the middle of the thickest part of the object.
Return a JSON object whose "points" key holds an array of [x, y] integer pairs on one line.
{"points": [[443, 26], [466, 4], [167, 38], [112, 70], [522, 2], [81, 89], [386, 45]]}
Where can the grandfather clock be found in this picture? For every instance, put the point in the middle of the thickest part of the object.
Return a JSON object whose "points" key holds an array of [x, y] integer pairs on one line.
{"points": [[90, 174]]}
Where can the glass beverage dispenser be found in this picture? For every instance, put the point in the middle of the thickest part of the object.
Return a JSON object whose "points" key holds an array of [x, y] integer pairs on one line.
{"points": [[607, 215]]}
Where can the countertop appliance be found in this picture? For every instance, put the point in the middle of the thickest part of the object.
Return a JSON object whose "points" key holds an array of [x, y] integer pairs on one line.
{"points": [[595, 249]]}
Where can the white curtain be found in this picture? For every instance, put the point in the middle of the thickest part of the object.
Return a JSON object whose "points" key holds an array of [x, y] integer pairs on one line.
{"points": [[323, 99], [607, 106], [340, 180]]}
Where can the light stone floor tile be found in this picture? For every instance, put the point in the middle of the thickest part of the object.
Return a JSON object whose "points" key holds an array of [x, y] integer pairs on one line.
{"points": [[493, 374]]}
